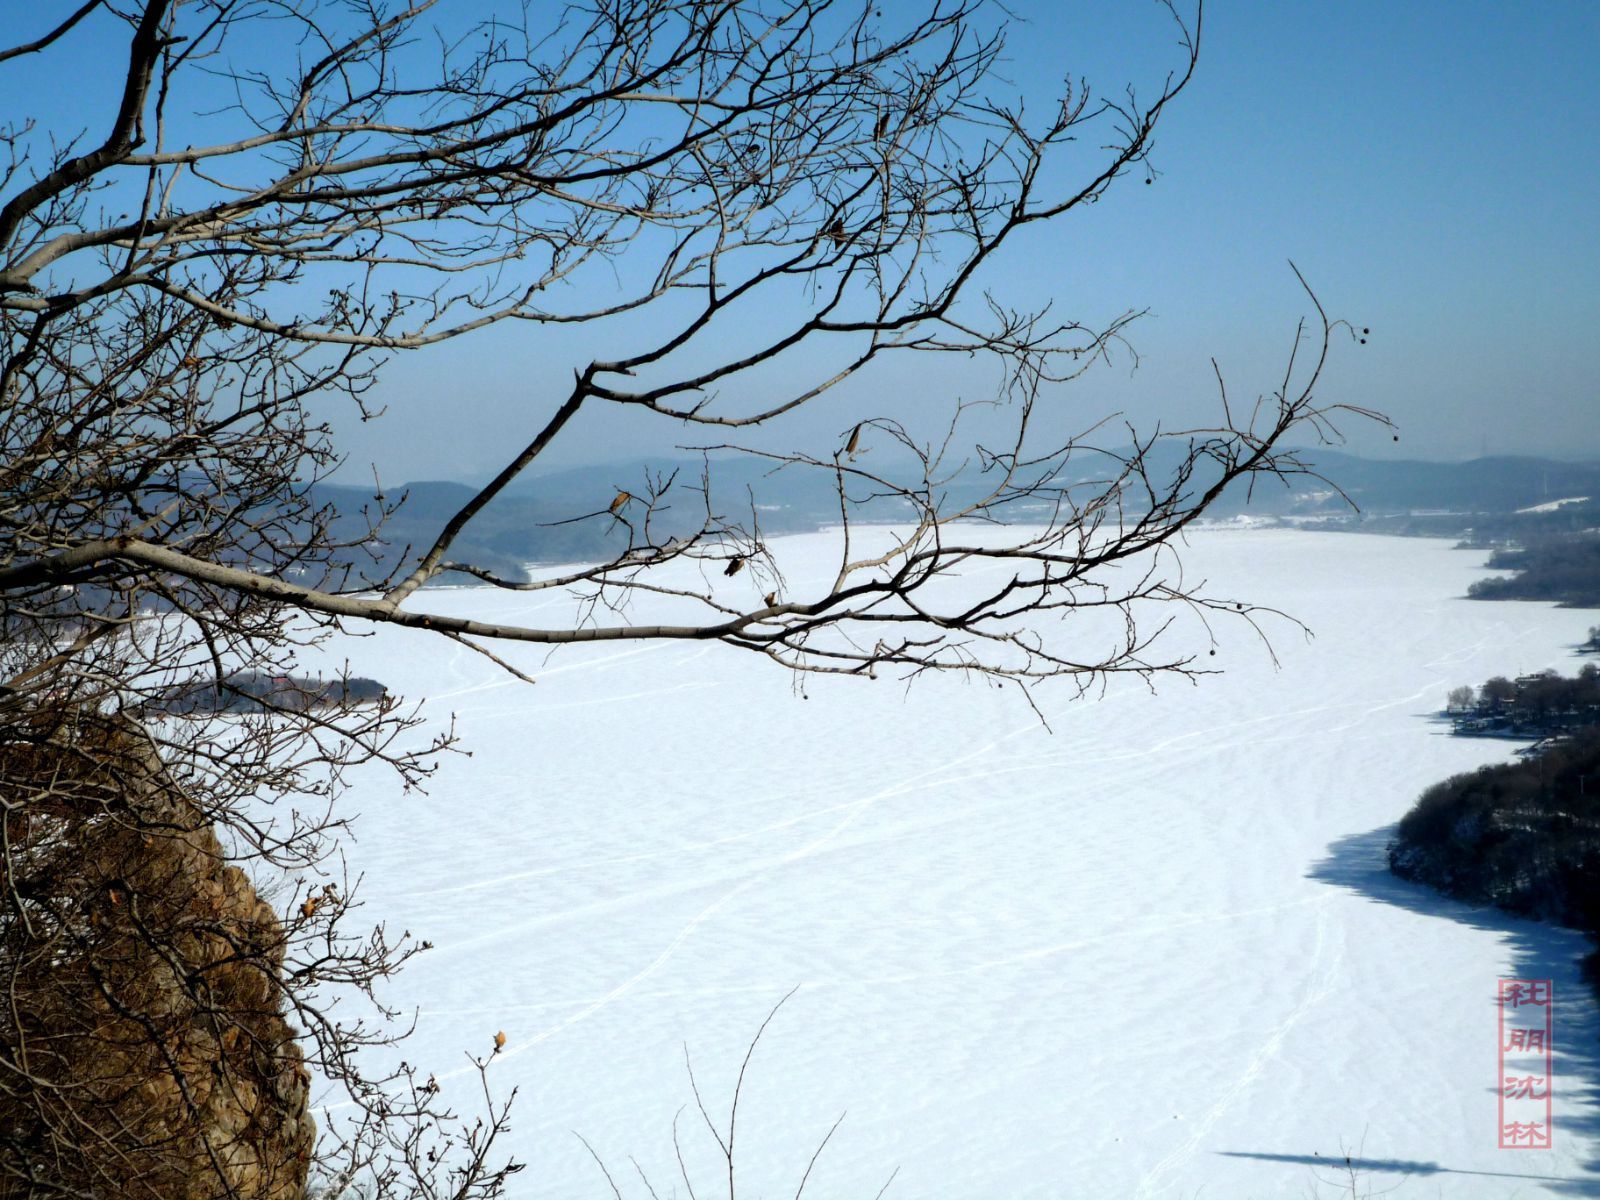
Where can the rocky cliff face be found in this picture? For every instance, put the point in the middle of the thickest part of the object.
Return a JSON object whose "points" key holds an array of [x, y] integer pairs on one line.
{"points": [[144, 1052]]}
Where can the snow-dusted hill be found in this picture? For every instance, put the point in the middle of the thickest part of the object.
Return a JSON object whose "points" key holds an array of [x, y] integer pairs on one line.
{"points": [[1152, 953]]}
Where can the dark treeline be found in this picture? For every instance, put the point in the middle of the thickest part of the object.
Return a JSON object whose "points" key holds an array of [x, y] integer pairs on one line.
{"points": [[1565, 569], [1541, 705], [1489, 531], [1473, 529], [1524, 836], [251, 691]]}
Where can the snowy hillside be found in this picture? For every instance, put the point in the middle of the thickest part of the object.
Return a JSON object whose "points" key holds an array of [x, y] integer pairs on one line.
{"points": [[1151, 953]]}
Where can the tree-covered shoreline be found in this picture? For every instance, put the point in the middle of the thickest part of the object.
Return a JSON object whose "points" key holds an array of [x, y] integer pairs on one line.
{"points": [[1523, 836], [1564, 569]]}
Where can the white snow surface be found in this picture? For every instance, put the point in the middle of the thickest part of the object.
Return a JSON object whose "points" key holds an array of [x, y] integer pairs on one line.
{"points": [[1552, 505], [1153, 953]]}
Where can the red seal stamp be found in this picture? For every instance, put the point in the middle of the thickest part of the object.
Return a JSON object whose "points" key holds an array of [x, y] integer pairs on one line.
{"points": [[1526, 1063]]}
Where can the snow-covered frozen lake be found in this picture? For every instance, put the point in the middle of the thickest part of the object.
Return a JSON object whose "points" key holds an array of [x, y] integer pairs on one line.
{"points": [[1153, 953]]}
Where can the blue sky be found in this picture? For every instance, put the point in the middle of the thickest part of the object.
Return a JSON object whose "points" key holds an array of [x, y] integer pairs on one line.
{"points": [[1429, 166]]}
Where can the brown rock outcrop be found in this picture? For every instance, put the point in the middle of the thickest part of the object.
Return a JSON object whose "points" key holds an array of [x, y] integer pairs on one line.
{"points": [[144, 1051]]}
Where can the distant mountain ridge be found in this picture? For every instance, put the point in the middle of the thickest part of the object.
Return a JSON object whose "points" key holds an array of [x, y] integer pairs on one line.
{"points": [[561, 516], [1493, 484]]}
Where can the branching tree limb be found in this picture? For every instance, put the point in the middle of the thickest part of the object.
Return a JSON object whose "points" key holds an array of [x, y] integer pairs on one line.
{"points": [[718, 193]]}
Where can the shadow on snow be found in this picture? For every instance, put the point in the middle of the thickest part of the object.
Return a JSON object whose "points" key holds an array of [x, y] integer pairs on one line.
{"points": [[1539, 951], [1384, 1166]]}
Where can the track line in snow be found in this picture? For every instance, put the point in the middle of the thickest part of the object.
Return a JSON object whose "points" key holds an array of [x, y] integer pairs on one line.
{"points": [[753, 871], [705, 913], [857, 808], [488, 685], [698, 685], [688, 848], [539, 673], [1152, 927], [923, 781], [1461, 656], [1210, 732], [1316, 989]]}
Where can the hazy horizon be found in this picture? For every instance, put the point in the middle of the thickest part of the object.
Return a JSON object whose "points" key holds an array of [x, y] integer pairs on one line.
{"points": [[361, 476]]}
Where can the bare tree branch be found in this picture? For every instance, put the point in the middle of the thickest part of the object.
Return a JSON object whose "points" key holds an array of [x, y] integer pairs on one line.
{"points": [[738, 210]]}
